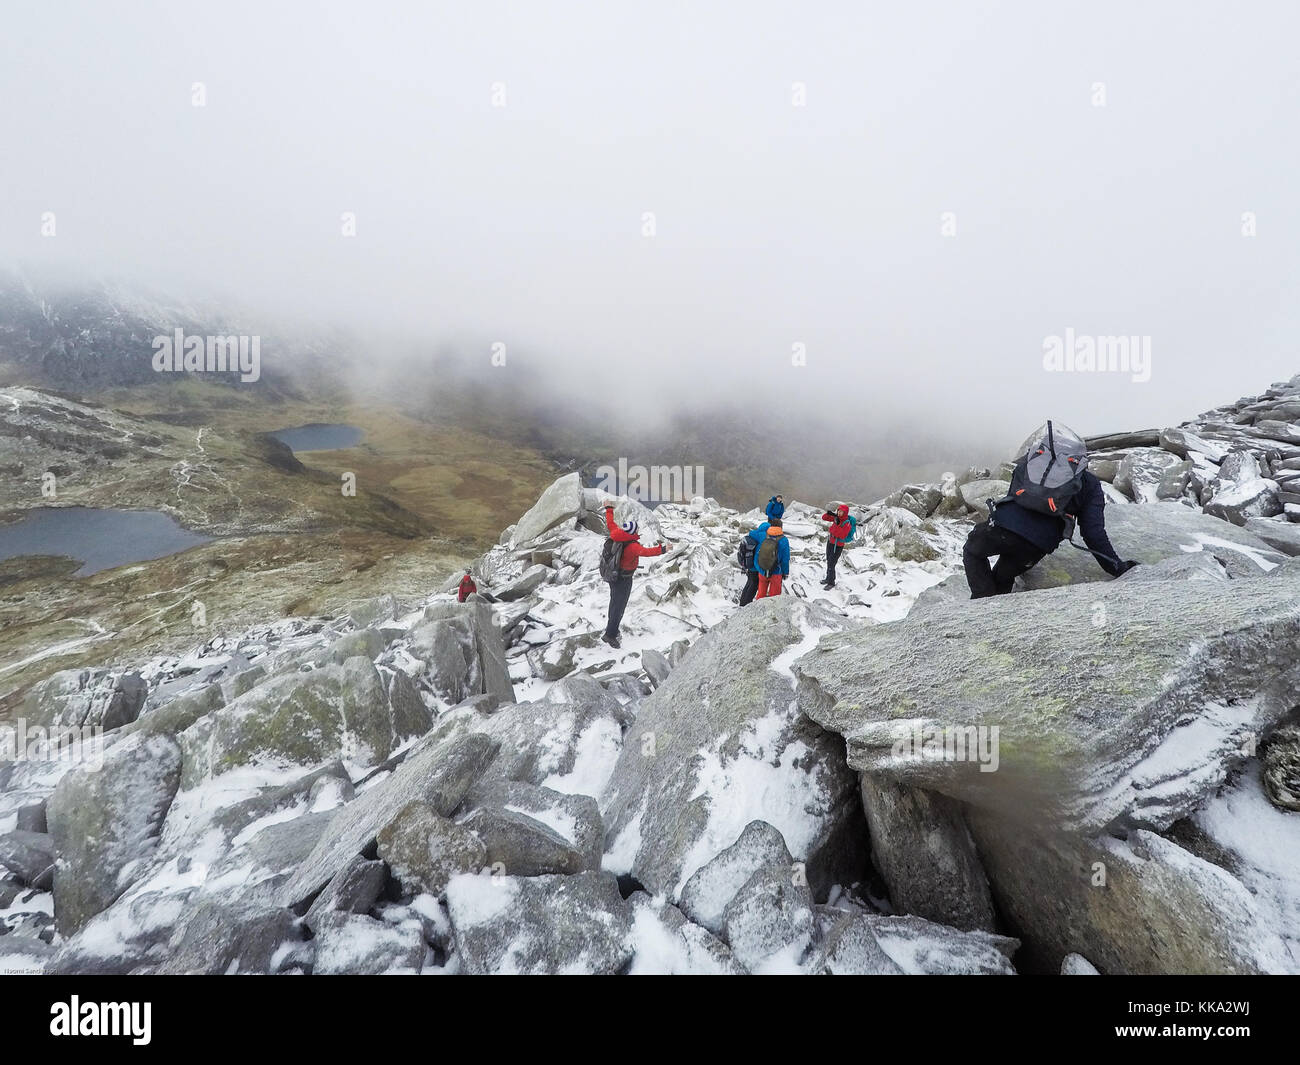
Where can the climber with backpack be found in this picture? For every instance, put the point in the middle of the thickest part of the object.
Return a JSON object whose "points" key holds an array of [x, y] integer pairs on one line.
{"points": [[618, 559], [1052, 490], [745, 552], [775, 509], [772, 560], [843, 526]]}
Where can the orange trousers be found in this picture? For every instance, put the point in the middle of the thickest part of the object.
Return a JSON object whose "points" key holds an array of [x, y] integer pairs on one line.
{"points": [[768, 586]]}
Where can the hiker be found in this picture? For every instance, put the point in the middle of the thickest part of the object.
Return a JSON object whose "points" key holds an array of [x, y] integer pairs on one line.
{"points": [[771, 560], [466, 588], [745, 553], [1051, 490], [843, 526], [623, 566], [747, 557], [775, 508]]}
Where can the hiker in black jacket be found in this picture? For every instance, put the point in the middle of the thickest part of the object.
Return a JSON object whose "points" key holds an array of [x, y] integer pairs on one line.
{"points": [[1021, 538]]}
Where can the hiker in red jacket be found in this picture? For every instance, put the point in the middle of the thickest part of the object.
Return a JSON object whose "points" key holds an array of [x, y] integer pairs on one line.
{"points": [[843, 526], [466, 588], [621, 589]]}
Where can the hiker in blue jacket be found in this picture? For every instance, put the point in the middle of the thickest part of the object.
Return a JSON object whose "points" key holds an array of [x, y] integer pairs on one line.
{"points": [[772, 570], [752, 542], [1021, 538], [775, 508]]}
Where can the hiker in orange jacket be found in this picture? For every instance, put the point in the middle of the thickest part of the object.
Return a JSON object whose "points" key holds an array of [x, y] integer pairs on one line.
{"points": [[620, 589]]}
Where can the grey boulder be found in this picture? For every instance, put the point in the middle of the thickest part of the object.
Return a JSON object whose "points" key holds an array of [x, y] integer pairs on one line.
{"points": [[355, 889], [219, 938], [708, 893], [28, 855], [540, 925], [923, 851], [1138, 906], [462, 651], [769, 924], [85, 698], [573, 819], [439, 772], [1149, 533], [106, 822], [1127, 708], [355, 945], [424, 850]]}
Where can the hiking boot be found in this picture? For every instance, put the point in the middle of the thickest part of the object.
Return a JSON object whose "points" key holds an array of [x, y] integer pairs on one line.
{"points": [[614, 641]]}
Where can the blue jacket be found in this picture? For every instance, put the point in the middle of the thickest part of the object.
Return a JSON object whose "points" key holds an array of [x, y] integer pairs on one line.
{"points": [[774, 509], [1046, 532], [782, 551]]}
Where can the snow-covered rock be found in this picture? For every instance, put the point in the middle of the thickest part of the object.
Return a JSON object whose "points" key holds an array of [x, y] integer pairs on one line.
{"points": [[1147, 475], [720, 744], [1126, 709], [105, 821], [540, 925], [1149, 533]]}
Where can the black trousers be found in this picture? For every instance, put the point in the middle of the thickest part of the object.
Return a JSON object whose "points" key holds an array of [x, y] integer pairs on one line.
{"points": [[833, 552], [619, 591], [1015, 556], [751, 588]]}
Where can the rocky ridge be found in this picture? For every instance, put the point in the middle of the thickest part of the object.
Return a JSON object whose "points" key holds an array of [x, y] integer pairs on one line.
{"points": [[485, 787]]}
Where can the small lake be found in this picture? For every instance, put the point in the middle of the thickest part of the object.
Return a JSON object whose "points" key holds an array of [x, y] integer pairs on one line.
{"points": [[99, 539], [319, 436]]}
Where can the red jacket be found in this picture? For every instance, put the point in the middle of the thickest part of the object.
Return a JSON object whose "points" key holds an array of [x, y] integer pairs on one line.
{"points": [[840, 526], [467, 588], [633, 550]]}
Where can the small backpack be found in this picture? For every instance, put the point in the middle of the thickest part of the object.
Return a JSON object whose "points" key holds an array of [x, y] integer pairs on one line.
{"points": [[611, 559], [769, 554], [1049, 476], [745, 552]]}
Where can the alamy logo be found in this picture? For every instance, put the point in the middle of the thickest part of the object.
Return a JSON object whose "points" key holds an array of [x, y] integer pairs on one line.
{"points": [[83, 746], [132, 1019], [657, 484], [953, 743], [179, 353], [1081, 353]]}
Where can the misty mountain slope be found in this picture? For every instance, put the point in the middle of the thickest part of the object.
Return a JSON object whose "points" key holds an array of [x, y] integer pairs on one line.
{"points": [[484, 787], [78, 336], [794, 442], [94, 340]]}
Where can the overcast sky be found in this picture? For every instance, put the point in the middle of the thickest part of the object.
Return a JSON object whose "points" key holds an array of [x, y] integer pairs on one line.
{"points": [[775, 223]]}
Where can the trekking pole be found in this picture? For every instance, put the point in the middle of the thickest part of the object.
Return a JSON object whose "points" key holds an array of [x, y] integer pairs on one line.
{"points": [[1096, 554]]}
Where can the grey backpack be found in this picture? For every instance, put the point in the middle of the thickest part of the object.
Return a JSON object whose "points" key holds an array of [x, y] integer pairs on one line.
{"points": [[1050, 473], [611, 559]]}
